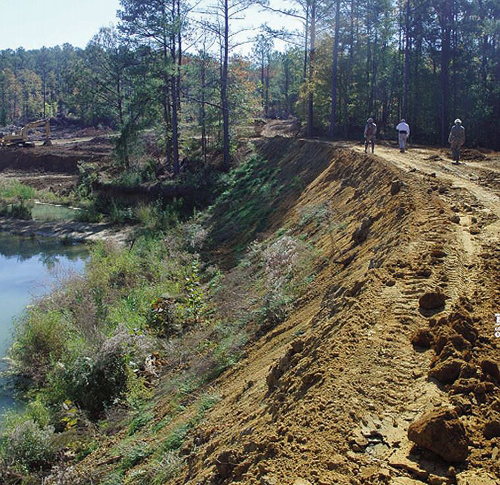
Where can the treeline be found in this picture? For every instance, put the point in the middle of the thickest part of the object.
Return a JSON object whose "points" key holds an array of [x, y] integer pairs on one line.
{"points": [[429, 61], [159, 68], [175, 69]]}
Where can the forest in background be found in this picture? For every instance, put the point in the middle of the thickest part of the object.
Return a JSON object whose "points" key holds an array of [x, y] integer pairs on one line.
{"points": [[168, 66]]}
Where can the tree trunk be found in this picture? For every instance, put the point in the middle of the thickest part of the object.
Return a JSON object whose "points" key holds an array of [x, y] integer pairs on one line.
{"points": [[349, 70], [179, 56], [334, 70], [373, 80], [286, 68], [175, 96], [175, 125], [262, 82], [44, 88], [368, 58], [202, 108], [225, 106], [310, 104], [267, 89], [406, 70], [306, 45], [445, 67]]}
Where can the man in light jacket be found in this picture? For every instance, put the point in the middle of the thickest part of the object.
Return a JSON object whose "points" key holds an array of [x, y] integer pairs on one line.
{"points": [[403, 133], [456, 140]]}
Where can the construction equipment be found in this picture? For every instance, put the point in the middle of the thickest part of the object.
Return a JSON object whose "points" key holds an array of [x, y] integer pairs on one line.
{"points": [[21, 138]]}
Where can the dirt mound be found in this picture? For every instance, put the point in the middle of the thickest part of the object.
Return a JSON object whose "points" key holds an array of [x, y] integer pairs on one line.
{"points": [[441, 432], [60, 158], [333, 405], [328, 395]]}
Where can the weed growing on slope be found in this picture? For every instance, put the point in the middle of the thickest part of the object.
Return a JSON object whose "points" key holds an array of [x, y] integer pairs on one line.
{"points": [[248, 198], [135, 455], [141, 420], [26, 445], [262, 289], [176, 438], [157, 471]]}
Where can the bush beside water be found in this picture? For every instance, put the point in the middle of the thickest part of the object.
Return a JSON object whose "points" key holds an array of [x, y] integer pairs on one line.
{"points": [[88, 348]]}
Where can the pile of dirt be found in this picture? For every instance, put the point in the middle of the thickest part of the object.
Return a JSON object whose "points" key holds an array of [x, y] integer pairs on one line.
{"points": [[392, 342], [328, 397], [45, 159]]}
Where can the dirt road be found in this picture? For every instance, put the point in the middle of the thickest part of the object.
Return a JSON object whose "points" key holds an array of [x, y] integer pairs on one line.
{"points": [[478, 177]]}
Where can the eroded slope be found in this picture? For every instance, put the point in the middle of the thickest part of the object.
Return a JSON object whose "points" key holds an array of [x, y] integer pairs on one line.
{"points": [[328, 395]]}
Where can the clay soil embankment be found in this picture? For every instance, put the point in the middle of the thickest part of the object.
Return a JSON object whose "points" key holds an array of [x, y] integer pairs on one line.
{"points": [[386, 371], [328, 396]]}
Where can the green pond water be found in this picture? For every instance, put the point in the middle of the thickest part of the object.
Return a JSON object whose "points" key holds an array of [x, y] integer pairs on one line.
{"points": [[29, 268], [51, 212]]}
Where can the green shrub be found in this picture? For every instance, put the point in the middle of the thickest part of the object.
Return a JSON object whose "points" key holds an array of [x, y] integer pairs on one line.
{"points": [[156, 217], [163, 317], [18, 210], [13, 189], [139, 422], [87, 180], [114, 478], [135, 456], [176, 437], [27, 446], [93, 382], [275, 309], [40, 339]]}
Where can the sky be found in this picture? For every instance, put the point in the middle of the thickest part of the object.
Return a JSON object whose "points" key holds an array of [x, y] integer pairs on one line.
{"points": [[36, 23], [32, 24]]}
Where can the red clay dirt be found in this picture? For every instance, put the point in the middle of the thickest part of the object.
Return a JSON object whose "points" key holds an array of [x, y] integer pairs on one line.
{"points": [[333, 406], [328, 396]]}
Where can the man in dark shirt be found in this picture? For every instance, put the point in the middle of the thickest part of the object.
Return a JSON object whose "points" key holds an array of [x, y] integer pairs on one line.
{"points": [[370, 134]]}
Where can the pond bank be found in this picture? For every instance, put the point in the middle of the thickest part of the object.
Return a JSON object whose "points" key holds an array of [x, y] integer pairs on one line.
{"points": [[28, 269], [72, 231]]}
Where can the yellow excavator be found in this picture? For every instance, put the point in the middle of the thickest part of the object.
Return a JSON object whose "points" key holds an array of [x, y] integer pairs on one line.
{"points": [[21, 138]]}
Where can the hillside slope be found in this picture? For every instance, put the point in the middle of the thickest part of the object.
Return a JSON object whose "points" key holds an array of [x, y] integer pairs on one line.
{"points": [[327, 395]]}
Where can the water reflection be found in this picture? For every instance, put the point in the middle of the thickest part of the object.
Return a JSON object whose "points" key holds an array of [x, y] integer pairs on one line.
{"points": [[29, 268], [25, 248]]}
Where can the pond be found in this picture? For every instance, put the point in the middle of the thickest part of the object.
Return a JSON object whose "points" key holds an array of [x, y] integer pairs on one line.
{"points": [[53, 212], [28, 269]]}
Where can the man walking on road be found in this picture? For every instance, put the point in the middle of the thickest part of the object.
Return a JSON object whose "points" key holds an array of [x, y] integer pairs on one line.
{"points": [[403, 134], [456, 140], [370, 133]]}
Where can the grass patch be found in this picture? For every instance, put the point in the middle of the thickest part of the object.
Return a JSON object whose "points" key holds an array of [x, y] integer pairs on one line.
{"points": [[13, 189], [176, 438], [139, 422], [247, 200]]}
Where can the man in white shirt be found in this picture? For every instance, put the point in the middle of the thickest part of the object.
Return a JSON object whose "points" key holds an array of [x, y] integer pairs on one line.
{"points": [[404, 132]]}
